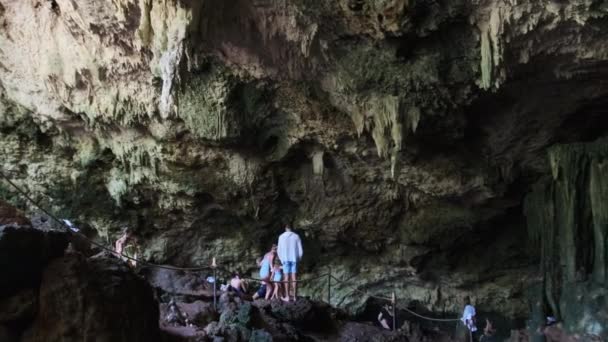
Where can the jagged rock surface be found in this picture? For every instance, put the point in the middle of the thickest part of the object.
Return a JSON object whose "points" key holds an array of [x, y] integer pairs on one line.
{"points": [[567, 217], [399, 136], [25, 252], [93, 300]]}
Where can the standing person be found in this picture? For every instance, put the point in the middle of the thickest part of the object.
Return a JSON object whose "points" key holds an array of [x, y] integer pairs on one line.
{"points": [[120, 244], [126, 245], [468, 317], [277, 278], [266, 268], [385, 317], [290, 253]]}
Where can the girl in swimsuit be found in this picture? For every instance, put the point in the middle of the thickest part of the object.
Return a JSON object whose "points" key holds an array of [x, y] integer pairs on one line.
{"points": [[277, 277]]}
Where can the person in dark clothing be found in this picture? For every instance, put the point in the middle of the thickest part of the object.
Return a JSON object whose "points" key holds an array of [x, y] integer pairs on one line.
{"points": [[385, 317], [260, 293]]}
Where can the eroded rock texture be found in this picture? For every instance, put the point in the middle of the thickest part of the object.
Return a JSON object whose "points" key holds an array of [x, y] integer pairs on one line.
{"points": [[24, 251], [398, 136], [93, 300], [567, 215]]}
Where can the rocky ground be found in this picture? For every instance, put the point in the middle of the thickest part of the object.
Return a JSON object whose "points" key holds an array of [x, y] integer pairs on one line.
{"points": [[54, 293], [50, 294]]}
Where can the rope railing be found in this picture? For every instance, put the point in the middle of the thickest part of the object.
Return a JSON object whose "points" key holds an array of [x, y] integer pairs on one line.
{"points": [[215, 268], [393, 300], [95, 243]]}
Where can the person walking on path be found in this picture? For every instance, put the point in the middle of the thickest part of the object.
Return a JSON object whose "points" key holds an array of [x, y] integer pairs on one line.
{"points": [[290, 253]]}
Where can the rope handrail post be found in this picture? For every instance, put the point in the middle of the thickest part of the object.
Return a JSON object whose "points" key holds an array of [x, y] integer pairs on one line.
{"points": [[394, 302], [329, 286], [214, 267]]}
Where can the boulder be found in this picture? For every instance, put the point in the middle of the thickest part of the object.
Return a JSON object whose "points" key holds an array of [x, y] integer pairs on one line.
{"points": [[199, 313], [183, 334], [184, 286], [360, 332], [288, 321], [93, 300], [19, 308], [24, 252], [304, 314], [260, 336]]}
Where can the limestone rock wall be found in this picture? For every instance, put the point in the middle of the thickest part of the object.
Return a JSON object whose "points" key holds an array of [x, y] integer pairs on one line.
{"points": [[405, 132], [566, 216]]}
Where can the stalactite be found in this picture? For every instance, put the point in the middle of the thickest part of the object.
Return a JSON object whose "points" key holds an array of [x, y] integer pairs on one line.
{"points": [[567, 218]]}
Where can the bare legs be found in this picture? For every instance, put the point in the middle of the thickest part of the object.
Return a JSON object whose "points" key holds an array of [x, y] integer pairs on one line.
{"points": [[294, 285], [277, 290], [269, 289], [291, 288]]}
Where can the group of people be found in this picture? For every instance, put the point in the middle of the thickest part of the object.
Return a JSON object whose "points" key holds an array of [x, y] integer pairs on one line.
{"points": [[470, 322], [278, 270]]}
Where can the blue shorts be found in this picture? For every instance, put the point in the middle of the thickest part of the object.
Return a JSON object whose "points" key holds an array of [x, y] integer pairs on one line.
{"points": [[290, 267], [261, 291]]}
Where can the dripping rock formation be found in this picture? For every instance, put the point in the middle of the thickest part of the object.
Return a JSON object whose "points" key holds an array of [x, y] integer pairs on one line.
{"points": [[437, 149]]}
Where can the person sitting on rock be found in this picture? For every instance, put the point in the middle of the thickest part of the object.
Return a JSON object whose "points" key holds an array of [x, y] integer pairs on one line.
{"points": [[385, 317], [261, 292], [277, 278], [237, 285], [176, 316]]}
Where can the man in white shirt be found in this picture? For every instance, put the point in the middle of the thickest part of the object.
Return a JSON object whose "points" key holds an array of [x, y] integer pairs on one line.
{"points": [[290, 253]]}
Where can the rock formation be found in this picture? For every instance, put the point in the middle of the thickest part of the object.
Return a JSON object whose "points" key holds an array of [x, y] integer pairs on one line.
{"points": [[93, 300], [400, 137], [566, 215]]}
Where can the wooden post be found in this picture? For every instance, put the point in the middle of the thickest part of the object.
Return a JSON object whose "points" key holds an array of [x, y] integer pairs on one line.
{"points": [[329, 287], [394, 302], [214, 266]]}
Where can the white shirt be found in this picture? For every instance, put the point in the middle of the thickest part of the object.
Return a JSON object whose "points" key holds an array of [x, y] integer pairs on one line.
{"points": [[467, 317], [290, 247]]}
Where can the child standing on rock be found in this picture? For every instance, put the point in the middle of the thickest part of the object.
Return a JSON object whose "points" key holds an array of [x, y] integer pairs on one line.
{"points": [[277, 278]]}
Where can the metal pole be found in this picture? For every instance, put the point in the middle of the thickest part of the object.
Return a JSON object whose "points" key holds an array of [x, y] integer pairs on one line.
{"points": [[329, 287], [213, 265], [393, 301]]}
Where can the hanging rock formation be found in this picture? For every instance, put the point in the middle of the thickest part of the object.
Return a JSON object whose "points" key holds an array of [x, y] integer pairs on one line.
{"points": [[567, 217]]}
